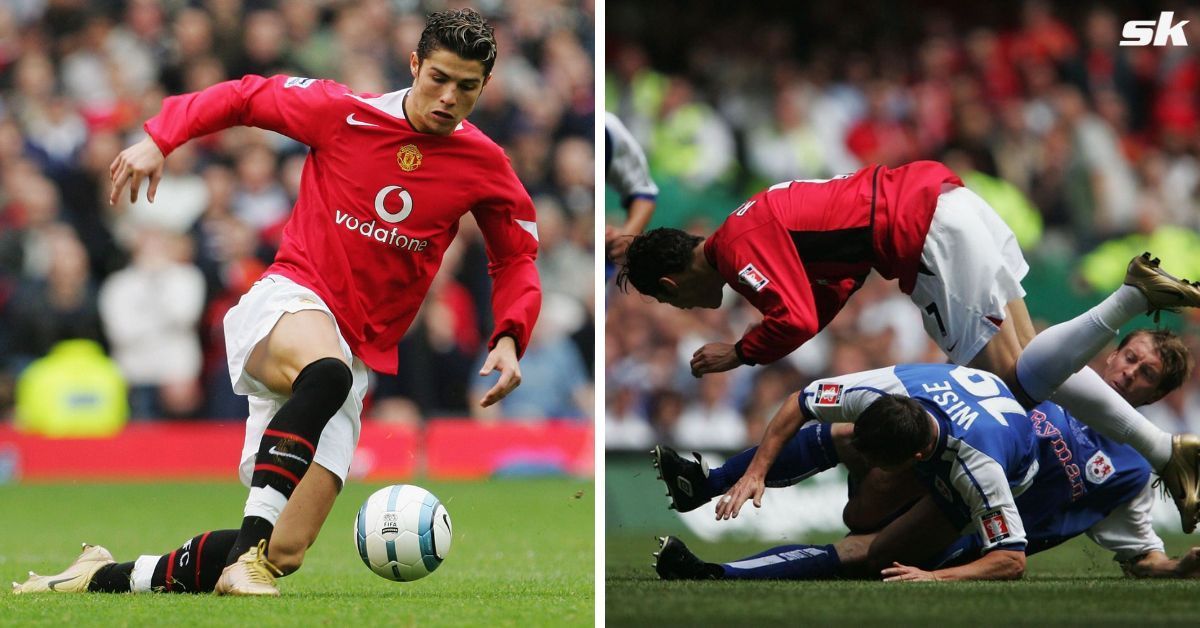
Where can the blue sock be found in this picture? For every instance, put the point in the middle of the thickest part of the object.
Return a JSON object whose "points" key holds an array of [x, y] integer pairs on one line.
{"points": [[787, 562], [809, 452]]}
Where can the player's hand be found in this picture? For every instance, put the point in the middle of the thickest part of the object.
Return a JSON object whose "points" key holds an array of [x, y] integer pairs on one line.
{"points": [[714, 357], [748, 487], [904, 573], [140, 161], [616, 243], [1189, 564], [502, 358]]}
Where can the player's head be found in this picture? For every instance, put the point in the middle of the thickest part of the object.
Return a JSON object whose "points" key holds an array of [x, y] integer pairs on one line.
{"points": [[1147, 365], [452, 63], [892, 431], [661, 263]]}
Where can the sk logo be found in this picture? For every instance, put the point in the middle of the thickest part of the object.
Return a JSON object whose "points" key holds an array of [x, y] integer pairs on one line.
{"points": [[409, 157]]}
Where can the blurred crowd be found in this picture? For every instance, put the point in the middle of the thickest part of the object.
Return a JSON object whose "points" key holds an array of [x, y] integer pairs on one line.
{"points": [[150, 284], [1088, 149]]}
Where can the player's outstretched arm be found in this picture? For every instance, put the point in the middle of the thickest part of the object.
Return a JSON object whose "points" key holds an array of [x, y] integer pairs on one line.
{"points": [[616, 240], [753, 483], [141, 161], [502, 358], [995, 565], [1156, 564]]}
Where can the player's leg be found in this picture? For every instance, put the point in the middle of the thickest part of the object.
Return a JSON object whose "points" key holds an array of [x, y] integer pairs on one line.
{"points": [[301, 519], [814, 448], [1053, 365], [1060, 354], [674, 561], [192, 568], [1057, 355], [879, 497], [918, 535], [297, 375], [1059, 351], [301, 358], [915, 537], [970, 291]]}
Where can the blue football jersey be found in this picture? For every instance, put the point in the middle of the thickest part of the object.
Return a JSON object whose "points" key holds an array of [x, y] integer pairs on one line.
{"points": [[1084, 476], [1012, 479], [986, 453]]}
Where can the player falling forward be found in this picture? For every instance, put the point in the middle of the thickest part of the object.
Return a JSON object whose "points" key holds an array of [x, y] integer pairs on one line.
{"points": [[1000, 486], [799, 249], [382, 191]]}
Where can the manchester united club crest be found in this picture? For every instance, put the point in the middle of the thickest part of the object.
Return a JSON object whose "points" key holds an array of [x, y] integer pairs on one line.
{"points": [[409, 157]]}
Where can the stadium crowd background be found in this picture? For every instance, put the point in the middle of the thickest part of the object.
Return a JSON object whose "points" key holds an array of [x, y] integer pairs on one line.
{"points": [[1086, 148], [151, 283]]}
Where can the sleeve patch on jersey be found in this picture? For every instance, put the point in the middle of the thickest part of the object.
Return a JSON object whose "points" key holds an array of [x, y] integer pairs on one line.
{"points": [[1099, 468], [829, 394], [752, 277], [298, 81], [995, 528]]}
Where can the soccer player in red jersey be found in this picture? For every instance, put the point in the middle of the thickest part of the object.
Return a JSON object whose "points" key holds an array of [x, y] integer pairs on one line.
{"points": [[799, 249], [386, 181]]}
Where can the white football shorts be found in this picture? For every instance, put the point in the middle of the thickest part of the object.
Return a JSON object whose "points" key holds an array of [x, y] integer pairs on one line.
{"points": [[975, 268], [249, 322]]}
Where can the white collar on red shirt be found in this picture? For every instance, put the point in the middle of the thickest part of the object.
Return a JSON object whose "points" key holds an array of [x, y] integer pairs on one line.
{"points": [[391, 103]]}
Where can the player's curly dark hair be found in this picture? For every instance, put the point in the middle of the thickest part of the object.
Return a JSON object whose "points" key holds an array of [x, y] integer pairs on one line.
{"points": [[463, 32], [655, 254], [892, 430], [1174, 355]]}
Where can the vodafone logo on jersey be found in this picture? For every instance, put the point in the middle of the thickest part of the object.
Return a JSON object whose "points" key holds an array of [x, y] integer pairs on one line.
{"points": [[392, 204], [388, 197]]}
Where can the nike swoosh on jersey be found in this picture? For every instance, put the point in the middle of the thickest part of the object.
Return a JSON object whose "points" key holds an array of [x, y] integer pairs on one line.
{"points": [[285, 454], [352, 121]]}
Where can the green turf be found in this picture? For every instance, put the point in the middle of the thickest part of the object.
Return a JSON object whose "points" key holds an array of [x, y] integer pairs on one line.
{"points": [[1073, 585], [522, 555]]}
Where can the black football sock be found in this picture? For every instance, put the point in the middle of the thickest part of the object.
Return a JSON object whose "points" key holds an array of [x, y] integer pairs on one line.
{"points": [[290, 440], [114, 578], [193, 567]]}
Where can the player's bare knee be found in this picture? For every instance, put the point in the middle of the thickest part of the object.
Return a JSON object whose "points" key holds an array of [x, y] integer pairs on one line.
{"points": [[852, 554], [859, 516]]}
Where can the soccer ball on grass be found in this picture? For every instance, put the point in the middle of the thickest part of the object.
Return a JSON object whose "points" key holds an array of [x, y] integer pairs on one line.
{"points": [[402, 532]]}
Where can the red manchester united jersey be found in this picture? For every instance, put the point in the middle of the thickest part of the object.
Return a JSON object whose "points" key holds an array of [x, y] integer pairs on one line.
{"points": [[378, 204], [799, 249]]}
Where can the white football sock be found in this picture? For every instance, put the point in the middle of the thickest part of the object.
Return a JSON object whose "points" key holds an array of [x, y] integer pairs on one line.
{"points": [[1095, 403], [143, 571], [1060, 351], [265, 502]]}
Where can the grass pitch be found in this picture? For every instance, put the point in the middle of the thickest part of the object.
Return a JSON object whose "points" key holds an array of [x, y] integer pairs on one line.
{"points": [[1076, 584], [522, 555]]}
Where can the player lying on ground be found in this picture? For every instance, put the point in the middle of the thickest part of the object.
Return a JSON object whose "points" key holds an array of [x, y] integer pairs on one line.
{"points": [[998, 485], [799, 249], [1146, 366], [383, 189]]}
